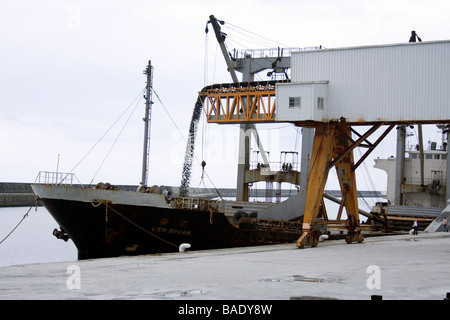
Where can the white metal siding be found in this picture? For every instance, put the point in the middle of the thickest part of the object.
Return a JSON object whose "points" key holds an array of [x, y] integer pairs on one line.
{"points": [[308, 92], [402, 82]]}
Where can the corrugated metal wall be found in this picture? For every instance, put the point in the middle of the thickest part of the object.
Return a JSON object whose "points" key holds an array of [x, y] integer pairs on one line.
{"points": [[403, 82]]}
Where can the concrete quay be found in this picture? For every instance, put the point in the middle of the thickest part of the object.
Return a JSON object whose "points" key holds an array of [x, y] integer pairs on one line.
{"points": [[401, 267]]}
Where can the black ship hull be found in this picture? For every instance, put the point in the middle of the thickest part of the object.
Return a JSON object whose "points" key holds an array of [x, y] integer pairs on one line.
{"points": [[100, 226]]}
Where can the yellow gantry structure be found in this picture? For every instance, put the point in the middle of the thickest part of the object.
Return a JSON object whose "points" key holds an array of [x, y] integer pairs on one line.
{"points": [[333, 147], [253, 103]]}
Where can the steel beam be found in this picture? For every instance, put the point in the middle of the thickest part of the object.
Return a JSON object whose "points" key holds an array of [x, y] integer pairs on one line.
{"points": [[333, 147]]}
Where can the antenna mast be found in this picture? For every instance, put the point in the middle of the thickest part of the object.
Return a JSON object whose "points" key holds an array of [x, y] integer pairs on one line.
{"points": [[148, 114]]}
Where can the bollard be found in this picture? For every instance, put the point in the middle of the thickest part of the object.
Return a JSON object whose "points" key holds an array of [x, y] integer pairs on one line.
{"points": [[184, 247]]}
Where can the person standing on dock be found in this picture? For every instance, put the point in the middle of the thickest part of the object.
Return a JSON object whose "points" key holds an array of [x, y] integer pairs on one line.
{"points": [[415, 225], [444, 223]]}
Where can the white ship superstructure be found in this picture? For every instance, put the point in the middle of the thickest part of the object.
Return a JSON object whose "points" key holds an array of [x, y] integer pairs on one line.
{"points": [[425, 187]]}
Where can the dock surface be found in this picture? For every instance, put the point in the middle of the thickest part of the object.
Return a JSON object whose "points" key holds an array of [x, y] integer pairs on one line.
{"points": [[401, 267]]}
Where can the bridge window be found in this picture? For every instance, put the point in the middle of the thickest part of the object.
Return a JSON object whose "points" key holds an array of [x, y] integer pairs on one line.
{"points": [[320, 103], [294, 102]]}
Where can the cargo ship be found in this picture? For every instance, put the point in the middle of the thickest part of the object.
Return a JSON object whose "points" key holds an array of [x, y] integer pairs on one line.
{"points": [[103, 221]]}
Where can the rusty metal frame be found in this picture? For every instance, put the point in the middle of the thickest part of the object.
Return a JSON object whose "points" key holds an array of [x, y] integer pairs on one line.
{"points": [[372, 146], [238, 105], [333, 147]]}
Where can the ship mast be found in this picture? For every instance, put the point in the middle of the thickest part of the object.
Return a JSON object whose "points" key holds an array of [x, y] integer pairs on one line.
{"points": [[148, 113]]}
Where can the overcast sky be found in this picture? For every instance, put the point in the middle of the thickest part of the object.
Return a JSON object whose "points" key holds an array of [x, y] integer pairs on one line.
{"points": [[69, 69]]}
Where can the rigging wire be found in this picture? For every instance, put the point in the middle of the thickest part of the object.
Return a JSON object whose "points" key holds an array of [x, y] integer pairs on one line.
{"points": [[237, 41], [168, 114], [262, 38], [203, 122], [205, 66], [367, 180], [109, 129], [215, 62], [117, 138], [186, 141]]}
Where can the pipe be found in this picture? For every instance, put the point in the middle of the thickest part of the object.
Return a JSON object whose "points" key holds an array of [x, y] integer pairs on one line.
{"points": [[364, 213], [422, 184]]}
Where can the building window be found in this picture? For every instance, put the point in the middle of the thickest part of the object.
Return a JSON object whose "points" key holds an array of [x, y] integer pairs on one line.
{"points": [[436, 157], [428, 156], [320, 103], [294, 102]]}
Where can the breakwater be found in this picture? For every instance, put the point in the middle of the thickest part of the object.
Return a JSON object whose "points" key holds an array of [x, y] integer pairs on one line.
{"points": [[15, 194]]}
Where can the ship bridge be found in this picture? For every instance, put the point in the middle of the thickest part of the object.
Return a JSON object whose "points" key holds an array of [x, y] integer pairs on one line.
{"points": [[332, 91]]}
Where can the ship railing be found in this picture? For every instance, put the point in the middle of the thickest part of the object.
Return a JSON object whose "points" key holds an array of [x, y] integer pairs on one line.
{"points": [[426, 181], [269, 52], [56, 178], [275, 166]]}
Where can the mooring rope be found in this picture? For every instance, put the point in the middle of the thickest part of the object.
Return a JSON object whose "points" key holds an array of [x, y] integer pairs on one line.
{"points": [[23, 218], [130, 221]]}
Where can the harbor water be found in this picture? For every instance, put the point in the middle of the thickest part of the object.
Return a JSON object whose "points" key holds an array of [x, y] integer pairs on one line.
{"points": [[32, 241]]}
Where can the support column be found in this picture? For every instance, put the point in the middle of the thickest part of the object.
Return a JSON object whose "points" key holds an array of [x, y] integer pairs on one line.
{"points": [[448, 162], [333, 146], [347, 182], [399, 165], [244, 145], [321, 157], [243, 162], [307, 148]]}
